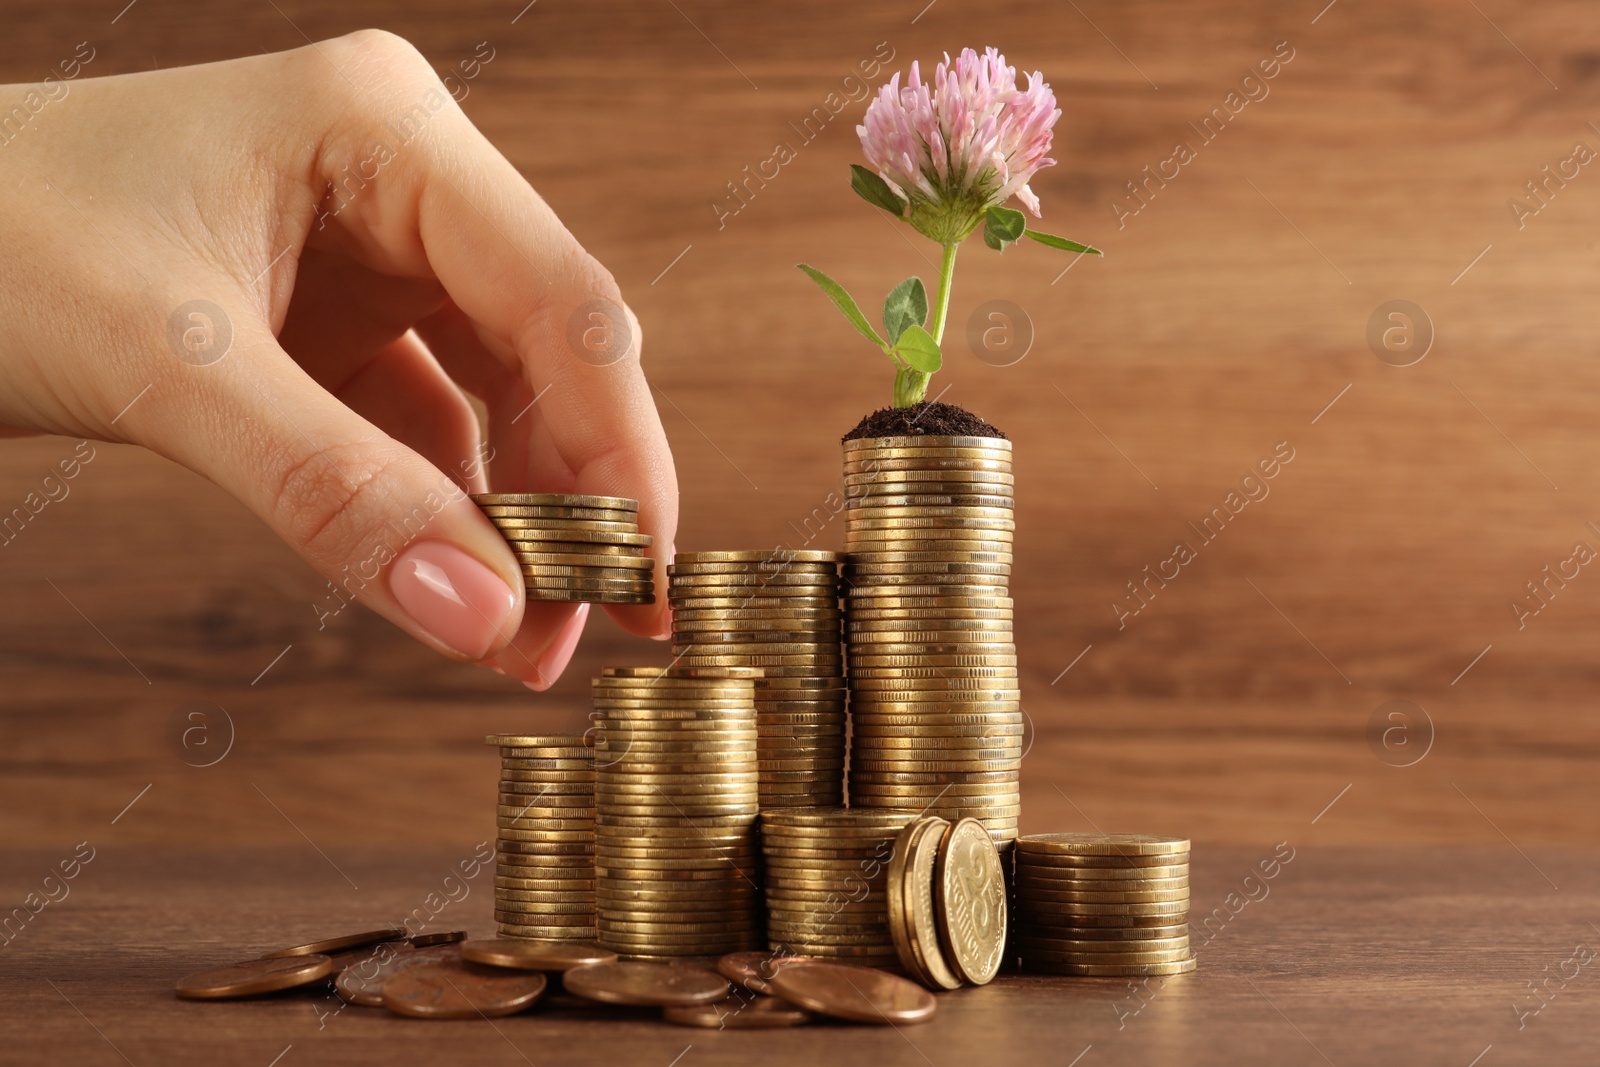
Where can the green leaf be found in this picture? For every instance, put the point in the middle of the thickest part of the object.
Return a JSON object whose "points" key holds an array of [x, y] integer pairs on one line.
{"points": [[845, 304], [1002, 226], [906, 305], [919, 350], [1061, 242], [875, 191]]}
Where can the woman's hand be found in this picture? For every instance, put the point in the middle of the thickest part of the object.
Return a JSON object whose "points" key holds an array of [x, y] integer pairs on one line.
{"points": [[283, 272]]}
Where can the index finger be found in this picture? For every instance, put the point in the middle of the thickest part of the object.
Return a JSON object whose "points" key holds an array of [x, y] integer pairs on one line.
{"points": [[446, 203]]}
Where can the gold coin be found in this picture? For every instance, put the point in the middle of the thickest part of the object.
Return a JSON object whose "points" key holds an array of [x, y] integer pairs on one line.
{"points": [[1098, 844], [1096, 875], [1045, 903], [538, 526], [523, 533], [768, 605], [542, 571], [548, 933], [1040, 952], [969, 893], [739, 1013], [781, 556], [616, 503], [543, 885], [1117, 933], [558, 512], [559, 742], [822, 578]]}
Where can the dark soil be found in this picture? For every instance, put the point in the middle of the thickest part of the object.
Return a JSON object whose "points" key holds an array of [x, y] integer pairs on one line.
{"points": [[927, 419]]}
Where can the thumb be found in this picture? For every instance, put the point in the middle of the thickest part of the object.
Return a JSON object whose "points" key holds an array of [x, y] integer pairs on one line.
{"points": [[379, 521]]}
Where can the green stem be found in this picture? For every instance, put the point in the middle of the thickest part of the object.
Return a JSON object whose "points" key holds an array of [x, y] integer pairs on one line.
{"points": [[947, 270]]}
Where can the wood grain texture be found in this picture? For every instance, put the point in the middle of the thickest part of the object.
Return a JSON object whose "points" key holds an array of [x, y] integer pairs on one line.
{"points": [[1346, 956], [1227, 316]]}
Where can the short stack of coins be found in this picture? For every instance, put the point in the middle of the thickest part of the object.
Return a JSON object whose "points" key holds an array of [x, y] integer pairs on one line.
{"points": [[935, 707], [676, 801], [575, 548], [1112, 905], [544, 870], [826, 882], [777, 610]]}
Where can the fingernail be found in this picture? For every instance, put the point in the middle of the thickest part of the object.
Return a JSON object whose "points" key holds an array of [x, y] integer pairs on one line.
{"points": [[559, 654], [664, 629], [452, 596]]}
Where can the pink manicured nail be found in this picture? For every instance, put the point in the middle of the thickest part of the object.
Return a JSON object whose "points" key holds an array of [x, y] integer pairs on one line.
{"points": [[559, 654], [452, 596], [665, 630]]}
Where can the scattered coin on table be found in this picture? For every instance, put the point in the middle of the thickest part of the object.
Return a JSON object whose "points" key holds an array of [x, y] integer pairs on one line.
{"points": [[341, 943], [529, 955], [858, 994], [456, 989], [739, 1013], [254, 977], [361, 983], [646, 984]]}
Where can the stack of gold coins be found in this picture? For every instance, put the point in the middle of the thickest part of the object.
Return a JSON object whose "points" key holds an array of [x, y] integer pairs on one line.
{"points": [[1103, 904], [676, 871], [826, 876], [544, 871], [935, 708], [575, 548], [777, 610]]}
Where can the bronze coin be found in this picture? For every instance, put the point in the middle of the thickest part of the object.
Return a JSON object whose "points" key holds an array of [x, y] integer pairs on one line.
{"points": [[739, 1013], [859, 994], [456, 989], [754, 970], [656, 985], [530, 955], [340, 943], [361, 983], [441, 937], [254, 977]]}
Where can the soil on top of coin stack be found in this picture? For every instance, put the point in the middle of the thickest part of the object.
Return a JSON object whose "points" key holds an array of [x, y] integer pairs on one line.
{"points": [[927, 419]]}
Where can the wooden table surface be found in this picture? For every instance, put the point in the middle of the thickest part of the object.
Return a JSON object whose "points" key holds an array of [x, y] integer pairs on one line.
{"points": [[1238, 706], [1348, 956]]}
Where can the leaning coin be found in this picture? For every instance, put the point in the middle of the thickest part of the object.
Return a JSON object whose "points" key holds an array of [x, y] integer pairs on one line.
{"points": [[859, 994], [253, 977], [340, 943], [456, 989], [645, 984], [739, 1013]]}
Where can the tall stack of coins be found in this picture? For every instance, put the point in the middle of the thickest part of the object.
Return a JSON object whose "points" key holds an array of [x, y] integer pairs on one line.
{"points": [[575, 548], [544, 870], [826, 881], [935, 708], [675, 812], [1103, 904], [777, 610]]}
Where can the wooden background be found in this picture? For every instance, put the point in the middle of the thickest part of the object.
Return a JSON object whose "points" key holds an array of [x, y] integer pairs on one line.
{"points": [[1226, 317]]}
